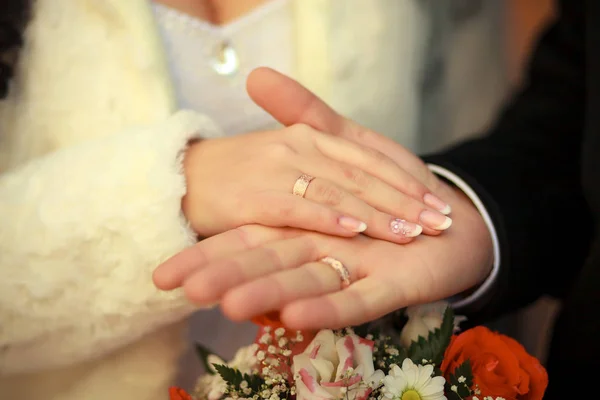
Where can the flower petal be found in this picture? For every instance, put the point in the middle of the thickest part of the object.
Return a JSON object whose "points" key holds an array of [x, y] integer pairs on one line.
{"points": [[410, 371], [324, 369], [363, 355]]}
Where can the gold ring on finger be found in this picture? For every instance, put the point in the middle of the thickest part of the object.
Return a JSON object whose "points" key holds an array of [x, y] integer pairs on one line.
{"points": [[301, 185], [340, 269]]}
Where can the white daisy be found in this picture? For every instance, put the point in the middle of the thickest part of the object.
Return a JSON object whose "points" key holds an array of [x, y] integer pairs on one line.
{"points": [[413, 382]]}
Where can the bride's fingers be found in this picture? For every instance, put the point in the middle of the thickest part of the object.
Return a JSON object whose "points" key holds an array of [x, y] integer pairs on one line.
{"points": [[329, 209], [279, 209], [374, 202], [380, 166], [170, 274], [209, 284], [291, 103], [379, 224]]}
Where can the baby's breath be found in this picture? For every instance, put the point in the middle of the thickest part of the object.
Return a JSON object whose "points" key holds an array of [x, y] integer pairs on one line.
{"points": [[274, 367]]}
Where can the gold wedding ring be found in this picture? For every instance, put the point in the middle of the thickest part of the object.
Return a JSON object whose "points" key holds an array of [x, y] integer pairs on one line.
{"points": [[301, 185], [340, 269]]}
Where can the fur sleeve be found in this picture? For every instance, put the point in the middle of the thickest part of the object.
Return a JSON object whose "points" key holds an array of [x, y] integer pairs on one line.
{"points": [[82, 230]]}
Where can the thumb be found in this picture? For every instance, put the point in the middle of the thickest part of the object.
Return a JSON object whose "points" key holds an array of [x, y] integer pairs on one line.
{"points": [[291, 103]]}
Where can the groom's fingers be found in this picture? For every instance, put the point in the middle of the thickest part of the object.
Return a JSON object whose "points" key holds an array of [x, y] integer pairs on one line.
{"points": [[365, 300], [171, 273], [208, 285], [291, 103]]}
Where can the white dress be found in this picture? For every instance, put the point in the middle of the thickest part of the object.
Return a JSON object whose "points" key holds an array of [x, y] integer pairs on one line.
{"points": [[209, 65]]}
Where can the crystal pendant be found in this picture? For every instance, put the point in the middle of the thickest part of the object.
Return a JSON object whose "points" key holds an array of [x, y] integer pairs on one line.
{"points": [[226, 61]]}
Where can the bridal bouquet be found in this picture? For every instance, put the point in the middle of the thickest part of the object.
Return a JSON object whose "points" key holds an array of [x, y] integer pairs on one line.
{"points": [[429, 360]]}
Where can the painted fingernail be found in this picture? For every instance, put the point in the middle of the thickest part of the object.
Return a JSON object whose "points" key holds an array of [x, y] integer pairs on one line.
{"points": [[436, 203], [405, 228], [352, 224], [435, 220]]}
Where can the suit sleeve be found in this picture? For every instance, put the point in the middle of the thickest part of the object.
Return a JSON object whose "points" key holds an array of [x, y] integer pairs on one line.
{"points": [[527, 172]]}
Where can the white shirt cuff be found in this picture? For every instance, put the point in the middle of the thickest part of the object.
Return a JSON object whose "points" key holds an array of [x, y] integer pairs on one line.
{"points": [[470, 193]]}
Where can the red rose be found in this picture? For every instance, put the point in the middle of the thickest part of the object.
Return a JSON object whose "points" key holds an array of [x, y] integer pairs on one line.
{"points": [[176, 393], [270, 319], [501, 366]]}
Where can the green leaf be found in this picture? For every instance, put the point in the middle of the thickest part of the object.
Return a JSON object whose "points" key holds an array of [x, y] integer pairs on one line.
{"points": [[203, 353], [463, 389], [230, 375], [432, 349], [255, 382], [233, 377]]}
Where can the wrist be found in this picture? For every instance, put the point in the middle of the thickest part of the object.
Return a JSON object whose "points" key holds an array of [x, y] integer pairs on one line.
{"points": [[188, 166], [478, 224], [482, 243]]}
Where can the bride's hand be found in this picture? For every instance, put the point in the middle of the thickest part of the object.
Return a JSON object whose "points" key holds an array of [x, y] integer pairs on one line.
{"points": [[248, 179], [291, 103], [255, 269]]}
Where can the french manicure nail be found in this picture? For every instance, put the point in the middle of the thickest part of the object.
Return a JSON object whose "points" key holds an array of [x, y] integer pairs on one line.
{"points": [[435, 220], [352, 224], [405, 228], [435, 202]]}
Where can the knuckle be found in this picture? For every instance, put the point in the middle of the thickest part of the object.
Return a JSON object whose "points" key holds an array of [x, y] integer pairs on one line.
{"points": [[358, 177], [377, 156], [361, 135], [311, 246], [412, 208], [433, 182], [244, 235], [286, 212], [416, 188], [279, 151], [274, 213], [328, 194], [275, 258], [300, 130]]}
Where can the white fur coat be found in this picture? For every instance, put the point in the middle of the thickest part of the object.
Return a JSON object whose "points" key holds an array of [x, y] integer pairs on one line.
{"points": [[90, 183]]}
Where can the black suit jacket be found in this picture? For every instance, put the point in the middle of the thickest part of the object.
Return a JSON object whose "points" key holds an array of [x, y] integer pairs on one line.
{"points": [[538, 173]]}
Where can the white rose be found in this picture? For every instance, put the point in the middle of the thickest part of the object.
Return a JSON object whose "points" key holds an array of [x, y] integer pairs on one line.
{"points": [[424, 319], [336, 367]]}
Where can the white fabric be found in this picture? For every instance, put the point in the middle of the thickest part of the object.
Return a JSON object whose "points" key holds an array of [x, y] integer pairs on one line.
{"points": [[470, 193], [90, 202], [41, 191], [264, 37]]}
